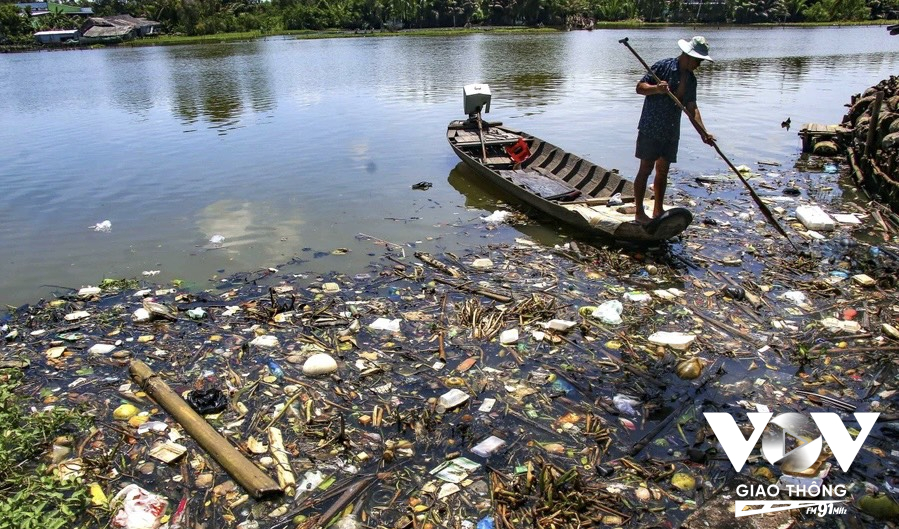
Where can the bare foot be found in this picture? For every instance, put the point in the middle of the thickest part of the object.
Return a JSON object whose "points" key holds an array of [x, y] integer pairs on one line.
{"points": [[641, 218], [657, 214]]}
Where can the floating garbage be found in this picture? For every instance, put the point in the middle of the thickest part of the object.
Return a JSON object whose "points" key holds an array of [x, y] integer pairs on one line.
{"points": [[794, 296], [482, 263], [105, 226], [814, 218], [690, 369], [497, 217], [207, 401], [637, 297], [880, 506], [609, 312], [676, 340], [319, 364], [585, 414], [451, 400], [385, 324], [87, 292], [266, 341], [509, 336], [136, 508], [196, 313], [626, 404], [488, 446], [124, 412], [101, 349]]}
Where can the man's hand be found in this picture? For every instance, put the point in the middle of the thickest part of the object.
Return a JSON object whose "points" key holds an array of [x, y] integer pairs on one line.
{"points": [[708, 139], [662, 87]]}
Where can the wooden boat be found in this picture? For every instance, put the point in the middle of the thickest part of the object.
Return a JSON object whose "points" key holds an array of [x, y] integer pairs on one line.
{"points": [[566, 187]]}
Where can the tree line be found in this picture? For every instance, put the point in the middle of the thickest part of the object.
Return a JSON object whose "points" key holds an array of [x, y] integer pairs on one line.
{"points": [[206, 17]]}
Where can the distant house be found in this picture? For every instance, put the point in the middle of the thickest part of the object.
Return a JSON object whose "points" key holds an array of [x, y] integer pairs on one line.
{"points": [[99, 30], [144, 27], [56, 36]]}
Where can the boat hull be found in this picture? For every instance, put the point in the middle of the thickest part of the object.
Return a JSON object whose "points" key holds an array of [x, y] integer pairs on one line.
{"points": [[559, 184]]}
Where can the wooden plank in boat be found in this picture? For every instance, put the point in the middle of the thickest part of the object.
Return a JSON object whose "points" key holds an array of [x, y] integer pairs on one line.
{"points": [[537, 183], [466, 138]]}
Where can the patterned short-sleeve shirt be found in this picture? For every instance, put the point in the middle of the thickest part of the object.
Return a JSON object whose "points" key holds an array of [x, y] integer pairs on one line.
{"points": [[661, 117]]}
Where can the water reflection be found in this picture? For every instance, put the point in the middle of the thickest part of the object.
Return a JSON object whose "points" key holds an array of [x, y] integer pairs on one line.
{"points": [[527, 67], [250, 229], [217, 83], [131, 80], [793, 71], [480, 194], [332, 134]]}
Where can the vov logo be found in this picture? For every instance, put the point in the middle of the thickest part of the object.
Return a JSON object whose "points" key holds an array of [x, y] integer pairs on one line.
{"points": [[774, 444]]}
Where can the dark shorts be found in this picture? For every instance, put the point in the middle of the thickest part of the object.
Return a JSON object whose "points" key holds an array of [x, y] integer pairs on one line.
{"points": [[652, 148]]}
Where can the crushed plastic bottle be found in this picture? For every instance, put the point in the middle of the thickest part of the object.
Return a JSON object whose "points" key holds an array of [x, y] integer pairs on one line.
{"points": [[275, 369], [486, 523], [561, 386]]}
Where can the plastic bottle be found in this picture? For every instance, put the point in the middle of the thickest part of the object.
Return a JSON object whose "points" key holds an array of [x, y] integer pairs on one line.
{"points": [[275, 369]]}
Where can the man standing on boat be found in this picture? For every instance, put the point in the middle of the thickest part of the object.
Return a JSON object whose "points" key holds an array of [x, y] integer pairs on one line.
{"points": [[659, 128]]}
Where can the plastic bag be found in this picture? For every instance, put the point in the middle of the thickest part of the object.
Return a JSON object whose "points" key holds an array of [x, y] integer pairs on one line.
{"points": [[609, 312], [102, 226], [207, 401], [496, 217], [137, 508]]}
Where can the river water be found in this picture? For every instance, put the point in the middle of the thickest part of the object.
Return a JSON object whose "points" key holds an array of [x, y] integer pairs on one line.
{"points": [[290, 149]]}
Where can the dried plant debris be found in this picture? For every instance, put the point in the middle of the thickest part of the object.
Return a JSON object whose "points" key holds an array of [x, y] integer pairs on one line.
{"points": [[554, 388]]}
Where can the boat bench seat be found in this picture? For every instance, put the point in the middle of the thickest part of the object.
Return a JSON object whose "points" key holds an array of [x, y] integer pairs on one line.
{"points": [[465, 138], [487, 142], [540, 184], [498, 160]]}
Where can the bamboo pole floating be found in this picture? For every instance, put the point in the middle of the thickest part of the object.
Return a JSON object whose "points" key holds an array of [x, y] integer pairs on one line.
{"points": [[475, 290], [276, 444], [248, 475], [699, 128]]}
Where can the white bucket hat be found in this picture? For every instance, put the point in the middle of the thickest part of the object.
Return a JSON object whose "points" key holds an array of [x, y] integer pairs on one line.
{"points": [[695, 47]]}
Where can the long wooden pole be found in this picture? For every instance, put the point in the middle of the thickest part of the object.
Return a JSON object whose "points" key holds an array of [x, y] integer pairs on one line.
{"points": [[248, 475], [481, 137], [702, 132], [873, 124]]}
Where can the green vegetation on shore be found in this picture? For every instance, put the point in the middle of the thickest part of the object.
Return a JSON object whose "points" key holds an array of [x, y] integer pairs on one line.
{"points": [[31, 495], [242, 19]]}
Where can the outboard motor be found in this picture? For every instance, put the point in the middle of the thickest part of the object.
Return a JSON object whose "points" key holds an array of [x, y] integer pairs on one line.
{"points": [[476, 97]]}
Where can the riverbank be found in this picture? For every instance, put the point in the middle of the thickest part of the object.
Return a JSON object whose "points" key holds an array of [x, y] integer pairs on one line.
{"points": [[177, 40]]}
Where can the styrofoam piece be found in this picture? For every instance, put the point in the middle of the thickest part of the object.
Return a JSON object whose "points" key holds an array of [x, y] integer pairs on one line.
{"points": [[846, 218], [509, 336], [488, 446], [676, 340], [814, 218], [451, 399]]}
